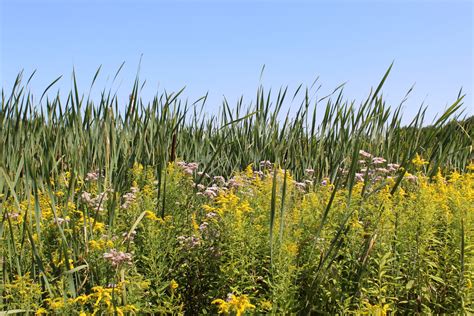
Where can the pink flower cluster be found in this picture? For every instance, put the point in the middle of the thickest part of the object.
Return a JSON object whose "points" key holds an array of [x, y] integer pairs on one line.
{"points": [[266, 164], [359, 176], [189, 241], [234, 183], [211, 192], [116, 258], [309, 172], [97, 202], [188, 168], [374, 167], [365, 154], [307, 182], [203, 226], [200, 173], [258, 174], [220, 180], [129, 198], [13, 215], [93, 176], [211, 215], [378, 160], [300, 186], [218, 184]]}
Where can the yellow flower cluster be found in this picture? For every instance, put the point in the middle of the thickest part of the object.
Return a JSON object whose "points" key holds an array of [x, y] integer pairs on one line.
{"points": [[100, 244], [101, 297], [418, 161], [234, 304]]}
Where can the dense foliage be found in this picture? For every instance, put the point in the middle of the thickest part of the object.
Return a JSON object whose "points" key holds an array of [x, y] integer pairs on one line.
{"points": [[164, 210], [219, 249]]}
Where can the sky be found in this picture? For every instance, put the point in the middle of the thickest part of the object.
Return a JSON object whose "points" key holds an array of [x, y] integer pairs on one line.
{"points": [[220, 47]]}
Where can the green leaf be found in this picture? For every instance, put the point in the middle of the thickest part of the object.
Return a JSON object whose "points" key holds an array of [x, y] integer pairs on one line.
{"points": [[76, 269]]}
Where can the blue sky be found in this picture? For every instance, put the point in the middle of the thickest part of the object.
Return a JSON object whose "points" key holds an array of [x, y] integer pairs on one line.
{"points": [[220, 46]]}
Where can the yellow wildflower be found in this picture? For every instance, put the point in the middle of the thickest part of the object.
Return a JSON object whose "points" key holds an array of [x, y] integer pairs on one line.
{"points": [[82, 299], [59, 194], [249, 171], [470, 167], [41, 311], [224, 307], [100, 244], [99, 227], [244, 207], [173, 285], [145, 284], [266, 305], [195, 224], [419, 162], [208, 208], [103, 295], [56, 303], [237, 304], [130, 308], [292, 248], [455, 176], [137, 170], [379, 310], [355, 223], [151, 215], [94, 244]]}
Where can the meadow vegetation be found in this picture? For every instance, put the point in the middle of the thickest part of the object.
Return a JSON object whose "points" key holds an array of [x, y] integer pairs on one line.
{"points": [[161, 209]]}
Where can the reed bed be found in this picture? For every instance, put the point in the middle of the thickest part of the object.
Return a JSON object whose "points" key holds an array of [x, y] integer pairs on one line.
{"points": [[160, 208]]}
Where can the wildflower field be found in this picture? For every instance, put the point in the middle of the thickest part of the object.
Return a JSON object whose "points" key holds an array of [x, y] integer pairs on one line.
{"points": [[162, 209]]}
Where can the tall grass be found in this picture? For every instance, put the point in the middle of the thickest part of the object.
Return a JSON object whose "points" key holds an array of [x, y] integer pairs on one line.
{"points": [[82, 135], [40, 141]]}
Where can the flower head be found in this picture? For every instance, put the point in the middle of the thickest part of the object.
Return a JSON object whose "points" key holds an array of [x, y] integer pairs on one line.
{"points": [[117, 258], [378, 160], [418, 161], [365, 154], [233, 303], [173, 285], [309, 172]]}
